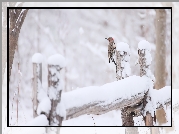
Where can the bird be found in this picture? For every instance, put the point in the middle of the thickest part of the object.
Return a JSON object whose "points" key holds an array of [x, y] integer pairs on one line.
{"points": [[111, 49]]}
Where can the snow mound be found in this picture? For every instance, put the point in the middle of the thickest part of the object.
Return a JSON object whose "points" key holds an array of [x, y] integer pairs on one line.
{"points": [[37, 58], [164, 92], [44, 106], [144, 45], [122, 46], [40, 120], [57, 59], [44, 101]]}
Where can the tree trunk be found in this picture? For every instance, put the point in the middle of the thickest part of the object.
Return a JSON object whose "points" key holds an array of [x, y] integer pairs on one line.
{"points": [[16, 17], [160, 72]]}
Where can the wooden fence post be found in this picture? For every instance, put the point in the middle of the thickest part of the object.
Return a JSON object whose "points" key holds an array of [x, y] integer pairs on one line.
{"points": [[123, 71], [144, 61], [55, 64], [122, 61], [37, 75]]}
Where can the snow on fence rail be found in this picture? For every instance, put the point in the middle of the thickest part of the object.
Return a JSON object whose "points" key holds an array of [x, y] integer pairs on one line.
{"points": [[102, 99]]}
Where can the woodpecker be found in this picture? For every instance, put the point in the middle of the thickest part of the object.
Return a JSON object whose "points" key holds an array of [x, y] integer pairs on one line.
{"points": [[111, 49]]}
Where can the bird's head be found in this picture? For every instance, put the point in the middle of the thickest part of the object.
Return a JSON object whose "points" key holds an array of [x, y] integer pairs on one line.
{"points": [[110, 39]]}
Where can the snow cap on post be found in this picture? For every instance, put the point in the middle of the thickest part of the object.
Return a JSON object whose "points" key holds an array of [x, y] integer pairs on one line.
{"points": [[122, 46], [57, 59], [37, 58], [144, 45]]}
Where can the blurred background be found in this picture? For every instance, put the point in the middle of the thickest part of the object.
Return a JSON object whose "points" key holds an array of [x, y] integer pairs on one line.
{"points": [[78, 35]]}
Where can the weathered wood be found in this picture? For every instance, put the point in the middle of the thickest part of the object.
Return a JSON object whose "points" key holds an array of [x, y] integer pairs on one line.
{"points": [[37, 75], [102, 107], [53, 84], [144, 67], [127, 117], [149, 119], [160, 55], [119, 66]]}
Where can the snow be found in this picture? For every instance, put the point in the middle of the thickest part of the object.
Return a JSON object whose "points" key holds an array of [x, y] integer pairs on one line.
{"points": [[37, 58], [127, 68], [40, 120], [57, 59], [138, 121], [81, 31], [124, 88], [61, 110], [148, 58], [41, 93], [44, 106], [158, 97], [149, 74], [52, 92], [123, 47], [112, 118], [144, 45]]}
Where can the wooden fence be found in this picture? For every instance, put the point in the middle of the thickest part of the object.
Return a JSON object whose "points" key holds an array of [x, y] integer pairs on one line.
{"points": [[129, 107]]}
